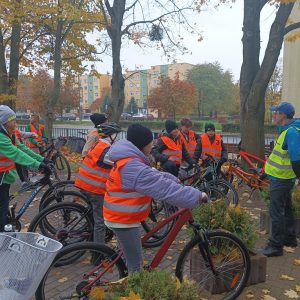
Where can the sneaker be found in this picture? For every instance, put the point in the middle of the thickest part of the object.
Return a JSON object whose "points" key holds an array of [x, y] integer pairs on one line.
{"points": [[270, 251], [292, 243]]}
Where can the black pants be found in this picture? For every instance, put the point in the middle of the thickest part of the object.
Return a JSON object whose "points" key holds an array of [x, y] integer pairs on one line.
{"points": [[170, 167], [4, 204], [281, 212]]}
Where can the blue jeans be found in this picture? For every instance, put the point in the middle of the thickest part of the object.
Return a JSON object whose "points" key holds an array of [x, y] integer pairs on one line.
{"points": [[4, 204], [281, 212]]}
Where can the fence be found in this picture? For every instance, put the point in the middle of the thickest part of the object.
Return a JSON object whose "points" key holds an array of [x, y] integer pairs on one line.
{"points": [[230, 140]]}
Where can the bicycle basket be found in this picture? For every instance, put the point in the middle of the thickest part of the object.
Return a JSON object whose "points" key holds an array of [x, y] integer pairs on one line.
{"points": [[24, 260]]}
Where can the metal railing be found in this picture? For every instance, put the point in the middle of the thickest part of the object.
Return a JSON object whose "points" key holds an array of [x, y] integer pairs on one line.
{"points": [[228, 139]]}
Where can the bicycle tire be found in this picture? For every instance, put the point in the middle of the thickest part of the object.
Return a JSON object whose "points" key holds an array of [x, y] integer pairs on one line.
{"points": [[227, 189], [62, 167], [63, 221], [159, 210], [59, 185], [223, 247], [70, 196], [71, 282]]}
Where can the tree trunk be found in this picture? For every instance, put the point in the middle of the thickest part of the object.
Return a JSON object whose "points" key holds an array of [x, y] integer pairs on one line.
{"points": [[254, 78], [57, 79], [117, 83], [3, 70], [14, 58]]}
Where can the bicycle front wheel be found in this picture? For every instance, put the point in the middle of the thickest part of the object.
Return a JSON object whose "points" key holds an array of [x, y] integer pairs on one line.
{"points": [[230, 262], [69, 280], [227, 189]]}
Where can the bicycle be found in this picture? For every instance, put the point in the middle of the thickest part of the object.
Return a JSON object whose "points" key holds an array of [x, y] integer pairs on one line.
{"points": [[24, 259], [223, 258], [37, 186]]}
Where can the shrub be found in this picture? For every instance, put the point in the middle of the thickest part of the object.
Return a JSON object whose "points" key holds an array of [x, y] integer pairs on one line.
{"points": [[231, 218], [153, 285]]}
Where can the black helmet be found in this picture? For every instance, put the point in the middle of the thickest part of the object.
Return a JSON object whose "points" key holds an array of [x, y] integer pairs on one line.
{"points": [[108, 129]]}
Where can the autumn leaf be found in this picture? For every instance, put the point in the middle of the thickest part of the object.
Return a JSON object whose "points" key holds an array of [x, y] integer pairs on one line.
{"points": [[97, 293], [63, 279], [132, 296], [297, 288], [297, 262], [267, 297], [291, 294], [178, 284], [287, 277], [289, 249], [265, 291]]}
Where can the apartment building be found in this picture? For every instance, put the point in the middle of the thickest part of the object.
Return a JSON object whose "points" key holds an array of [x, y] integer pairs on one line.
{"points": [[92, 87], [291, 64], [139, 83]]}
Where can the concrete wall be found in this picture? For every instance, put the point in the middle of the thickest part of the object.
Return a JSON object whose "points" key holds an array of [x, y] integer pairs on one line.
{"points": [[291, 64]]}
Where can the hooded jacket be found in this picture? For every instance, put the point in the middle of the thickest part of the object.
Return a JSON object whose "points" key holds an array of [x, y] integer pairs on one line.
{"points": [[137, 175]]}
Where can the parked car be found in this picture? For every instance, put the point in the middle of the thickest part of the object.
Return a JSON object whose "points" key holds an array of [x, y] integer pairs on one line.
{"points": [[126, 116], [139, 116], [22, 116], [68, 117], [150, 117], [86, 116]]}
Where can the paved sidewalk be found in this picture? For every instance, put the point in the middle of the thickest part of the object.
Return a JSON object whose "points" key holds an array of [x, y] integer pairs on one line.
{"points": [[274, 286]]}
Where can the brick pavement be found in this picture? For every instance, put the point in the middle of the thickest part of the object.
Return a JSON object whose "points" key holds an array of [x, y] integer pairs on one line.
{"points": [[274, 285]]}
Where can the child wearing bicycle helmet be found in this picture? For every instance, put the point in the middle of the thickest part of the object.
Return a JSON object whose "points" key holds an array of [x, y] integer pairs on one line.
{"points": [[131, 185], [93, 137], [13, 152], [93, 174]]}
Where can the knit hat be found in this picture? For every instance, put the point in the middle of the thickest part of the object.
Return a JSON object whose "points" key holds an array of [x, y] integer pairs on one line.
{"points": [[139, 135], [209, 126], [98, 119], [170, 125], [6, 114]]}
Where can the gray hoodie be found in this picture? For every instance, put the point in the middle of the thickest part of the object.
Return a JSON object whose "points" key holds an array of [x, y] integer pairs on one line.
{"points": [[137, 175]]}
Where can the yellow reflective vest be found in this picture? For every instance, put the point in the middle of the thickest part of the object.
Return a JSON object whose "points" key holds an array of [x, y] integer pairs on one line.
{"points": [[279, 163]]}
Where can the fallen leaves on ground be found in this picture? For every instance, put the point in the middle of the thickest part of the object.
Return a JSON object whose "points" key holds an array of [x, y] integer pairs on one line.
{"points": [[267, 297], [132, 296], [287, 277], [291, 294], [63, 279], [297, 262], [97, 293], [265, 291], [297, 288], [289, 249]]}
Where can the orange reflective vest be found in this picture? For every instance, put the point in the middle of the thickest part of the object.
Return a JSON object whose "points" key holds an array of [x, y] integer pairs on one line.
{"points": [[6, 163], [190, 145], [120, 205], [18, 135], [91, 177], [174, 149], [214, 149], [39, 133]]}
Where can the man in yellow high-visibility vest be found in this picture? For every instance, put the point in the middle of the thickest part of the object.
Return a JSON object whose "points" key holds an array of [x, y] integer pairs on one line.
{"points": [[282, 168]]}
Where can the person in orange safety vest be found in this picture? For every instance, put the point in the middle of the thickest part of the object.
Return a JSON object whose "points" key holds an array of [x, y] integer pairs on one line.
{"points": [[93, 174], [188, 136], [36, 144], [170, 151], [211, 143], [131, 185]]}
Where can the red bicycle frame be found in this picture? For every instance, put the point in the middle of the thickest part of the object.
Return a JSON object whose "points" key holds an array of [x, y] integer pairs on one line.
{"points": [[184, 215], [248, 156]]}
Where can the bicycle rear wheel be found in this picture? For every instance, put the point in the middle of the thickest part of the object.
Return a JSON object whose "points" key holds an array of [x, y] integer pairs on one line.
{"points": [[159, 211], [62, 167], [68, 281], [230, 259]]}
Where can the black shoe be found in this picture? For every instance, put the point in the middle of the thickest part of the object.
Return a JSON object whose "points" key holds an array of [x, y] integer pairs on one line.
{"points": [[292, 243], [270, 251]]}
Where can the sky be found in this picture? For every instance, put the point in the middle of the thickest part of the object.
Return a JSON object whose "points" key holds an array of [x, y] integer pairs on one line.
{"points": [[222, 33]]}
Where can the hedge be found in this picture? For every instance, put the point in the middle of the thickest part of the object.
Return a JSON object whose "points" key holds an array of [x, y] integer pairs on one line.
{"points": [[232, 128]]}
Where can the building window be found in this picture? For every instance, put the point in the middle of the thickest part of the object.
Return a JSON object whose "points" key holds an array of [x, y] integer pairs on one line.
{"points": [[96, 87], [96, 94]]}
